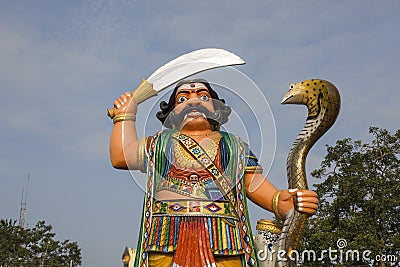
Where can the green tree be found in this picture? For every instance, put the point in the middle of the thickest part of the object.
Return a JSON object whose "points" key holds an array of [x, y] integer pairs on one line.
{"points": [[359, 202], [35, 247]]}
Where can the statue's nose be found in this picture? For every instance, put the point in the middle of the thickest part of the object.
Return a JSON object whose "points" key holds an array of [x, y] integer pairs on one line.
{"points": [[194, 102]]}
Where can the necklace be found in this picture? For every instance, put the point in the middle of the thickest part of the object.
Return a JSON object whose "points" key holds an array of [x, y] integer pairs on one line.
{"points": [[202, 135]]}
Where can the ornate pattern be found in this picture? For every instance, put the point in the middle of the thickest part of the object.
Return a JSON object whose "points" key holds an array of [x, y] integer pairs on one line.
{"points": [[176, 207], [220, 180], [194, 208], [224, 239], [183, 157], [213, 207], [224, 235], [142, 259]]}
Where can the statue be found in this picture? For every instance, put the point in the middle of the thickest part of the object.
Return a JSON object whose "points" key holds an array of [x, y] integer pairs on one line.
{"points": [[199, 178]]}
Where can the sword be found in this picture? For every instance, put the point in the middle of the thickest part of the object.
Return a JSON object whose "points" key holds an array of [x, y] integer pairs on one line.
{"points": [[180, 68]]}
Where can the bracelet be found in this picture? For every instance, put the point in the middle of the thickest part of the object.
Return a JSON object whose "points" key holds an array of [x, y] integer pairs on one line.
{"points": [[275, 200], [124, 117]]}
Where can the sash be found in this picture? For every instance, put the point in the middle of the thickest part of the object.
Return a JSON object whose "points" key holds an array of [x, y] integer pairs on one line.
{"points": [[156, 154], [197, 152]]}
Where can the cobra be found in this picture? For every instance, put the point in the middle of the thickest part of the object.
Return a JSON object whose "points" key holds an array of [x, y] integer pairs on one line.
{"points": [[323, 102]]}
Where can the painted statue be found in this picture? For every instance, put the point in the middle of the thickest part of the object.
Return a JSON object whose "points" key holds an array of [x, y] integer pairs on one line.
{"points": [[199, 178], [322, 100]]}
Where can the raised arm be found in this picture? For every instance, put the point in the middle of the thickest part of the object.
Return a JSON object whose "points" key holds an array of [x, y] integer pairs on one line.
{"points": [[124, 140]]}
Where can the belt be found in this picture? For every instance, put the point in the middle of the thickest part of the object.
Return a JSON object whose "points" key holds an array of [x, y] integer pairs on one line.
{"points": [[204, 189], [221, 209]]}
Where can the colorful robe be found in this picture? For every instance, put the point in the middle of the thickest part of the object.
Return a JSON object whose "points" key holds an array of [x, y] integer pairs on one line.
{"points": [[237, 158]]}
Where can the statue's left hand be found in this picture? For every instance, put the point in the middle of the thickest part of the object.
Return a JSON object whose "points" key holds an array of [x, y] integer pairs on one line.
{"points": [[304, 201]]}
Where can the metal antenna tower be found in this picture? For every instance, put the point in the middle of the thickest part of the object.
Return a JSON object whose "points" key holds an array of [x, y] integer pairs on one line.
{"points": [[22, 211]]}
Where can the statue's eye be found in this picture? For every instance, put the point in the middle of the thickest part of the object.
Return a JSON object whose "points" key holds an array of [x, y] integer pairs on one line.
{"points": [[291, 86], [204, 98], [182, 99]]}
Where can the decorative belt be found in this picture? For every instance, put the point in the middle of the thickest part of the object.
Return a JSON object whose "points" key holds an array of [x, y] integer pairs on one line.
{"points": [[204, 189], [194, 208]]}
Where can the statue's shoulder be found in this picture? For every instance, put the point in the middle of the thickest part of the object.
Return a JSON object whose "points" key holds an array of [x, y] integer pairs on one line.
{"points": [[230, 136], [226, 134], [163, 133], [162, 136]]}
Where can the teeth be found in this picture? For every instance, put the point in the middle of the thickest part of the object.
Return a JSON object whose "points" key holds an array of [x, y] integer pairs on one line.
{"points": [[194, 114]]}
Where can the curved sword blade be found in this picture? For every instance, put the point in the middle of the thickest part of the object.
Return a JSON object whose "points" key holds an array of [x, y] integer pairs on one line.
{"points": [[192, 63]]}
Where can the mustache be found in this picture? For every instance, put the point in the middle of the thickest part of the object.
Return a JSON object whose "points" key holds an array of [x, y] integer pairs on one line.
{"points": [[220, 115], [176, 119]]}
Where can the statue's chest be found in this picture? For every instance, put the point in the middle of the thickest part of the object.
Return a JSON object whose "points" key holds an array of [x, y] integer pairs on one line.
{"points": [[185, 159]]}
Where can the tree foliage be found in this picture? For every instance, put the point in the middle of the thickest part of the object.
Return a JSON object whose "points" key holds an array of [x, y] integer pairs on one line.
{"points": [[35, 247], [359, 201]]}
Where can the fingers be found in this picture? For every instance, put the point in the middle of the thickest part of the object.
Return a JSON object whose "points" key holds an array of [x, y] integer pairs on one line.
{"points": [[122, 100], [306, 205], [306, 201], [308, 211], [302, 193], [125, 103]]}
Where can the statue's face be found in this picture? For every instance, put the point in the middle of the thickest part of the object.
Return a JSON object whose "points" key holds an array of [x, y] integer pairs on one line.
{"points": [[193, 98]]}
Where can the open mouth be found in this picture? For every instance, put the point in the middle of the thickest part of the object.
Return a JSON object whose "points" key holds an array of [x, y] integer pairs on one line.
{"points": [[285, 100], [194, 114]]}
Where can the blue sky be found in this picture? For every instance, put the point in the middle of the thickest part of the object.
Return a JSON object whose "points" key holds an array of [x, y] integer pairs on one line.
{"points": [[64, 62]]}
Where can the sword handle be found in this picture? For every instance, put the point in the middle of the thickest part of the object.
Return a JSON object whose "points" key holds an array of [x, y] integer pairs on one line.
{"points": [[142, 93]]}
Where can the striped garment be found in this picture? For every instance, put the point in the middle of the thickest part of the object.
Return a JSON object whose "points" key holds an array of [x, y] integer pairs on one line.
{"points": [[205, 235]]}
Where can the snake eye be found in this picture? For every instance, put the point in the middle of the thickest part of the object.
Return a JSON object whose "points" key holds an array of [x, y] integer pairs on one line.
{"points": [[291, 86]]}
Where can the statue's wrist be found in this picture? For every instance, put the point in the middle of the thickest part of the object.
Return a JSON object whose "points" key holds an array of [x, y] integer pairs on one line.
{"points": [[275, 205], [124, 117]]}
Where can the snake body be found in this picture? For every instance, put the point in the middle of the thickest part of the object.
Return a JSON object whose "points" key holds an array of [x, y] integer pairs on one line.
{"points": [[323, 102]]}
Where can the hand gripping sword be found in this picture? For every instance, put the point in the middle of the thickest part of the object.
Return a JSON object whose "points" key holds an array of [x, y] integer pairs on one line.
{"points": [[180, 68]]}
